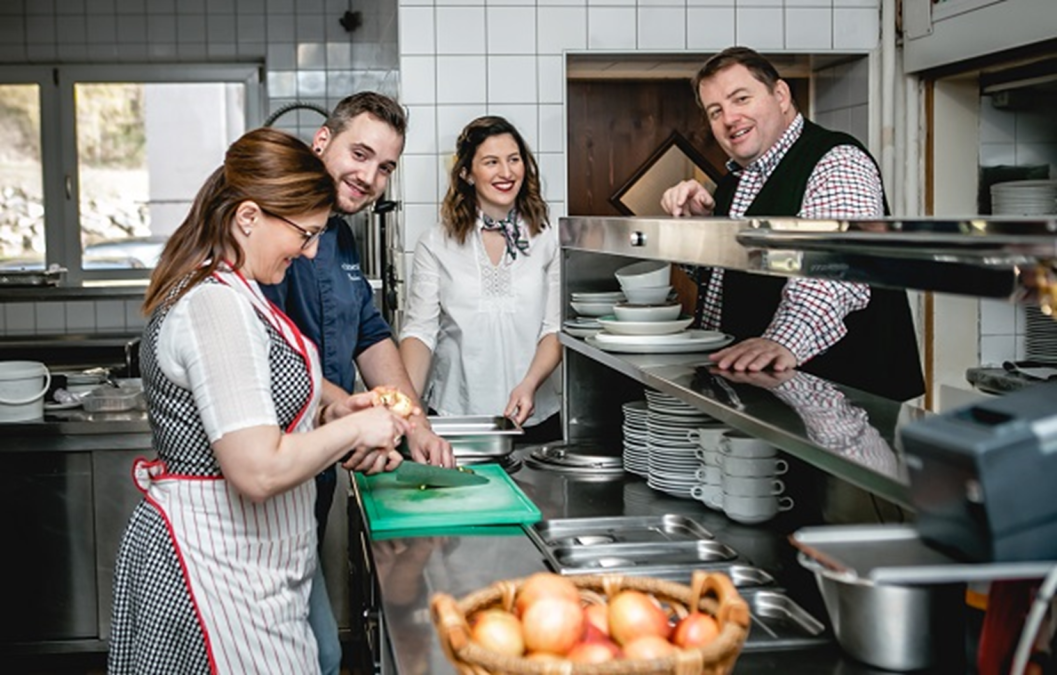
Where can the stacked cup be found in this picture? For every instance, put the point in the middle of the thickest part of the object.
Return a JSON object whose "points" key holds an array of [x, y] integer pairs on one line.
{"points": [[709, 474], [752, 491]]}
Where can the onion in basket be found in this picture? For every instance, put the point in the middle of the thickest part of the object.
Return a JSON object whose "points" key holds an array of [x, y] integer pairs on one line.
{"points": [[499, 631], [633, 614], [552, 625], [545, 585]]}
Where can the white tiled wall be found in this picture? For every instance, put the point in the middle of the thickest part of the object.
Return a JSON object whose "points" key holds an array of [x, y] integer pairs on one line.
{"points": [[842, 96], [522, 76], [1017, 137], [118, 316], [1026, 137]]}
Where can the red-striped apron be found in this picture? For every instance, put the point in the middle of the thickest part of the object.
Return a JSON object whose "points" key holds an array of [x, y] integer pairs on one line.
{"points": [[248, 566]]}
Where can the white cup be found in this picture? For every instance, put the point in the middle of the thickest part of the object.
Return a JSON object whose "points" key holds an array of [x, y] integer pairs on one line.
{"points": [[755, 509], [707, 438], [752, 486], [706, 473], [707, 457], [752, 466], [738, 444], [709, 494]]}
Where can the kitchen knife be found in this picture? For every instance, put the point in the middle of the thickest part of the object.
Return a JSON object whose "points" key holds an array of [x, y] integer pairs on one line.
{"points": [[425, 475]]}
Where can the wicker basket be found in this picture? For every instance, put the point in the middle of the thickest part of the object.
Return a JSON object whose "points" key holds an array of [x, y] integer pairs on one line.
{"points": [[713, 593]]}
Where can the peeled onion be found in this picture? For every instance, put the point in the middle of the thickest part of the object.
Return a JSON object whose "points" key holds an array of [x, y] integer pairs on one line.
{"points": [[633, 614], [552, 625], [648, 647], [545, 585], [498, 631], [695, 630]]}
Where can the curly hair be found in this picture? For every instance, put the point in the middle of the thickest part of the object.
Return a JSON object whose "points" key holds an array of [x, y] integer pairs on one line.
{"points": [[459, 210], [272, 168]]}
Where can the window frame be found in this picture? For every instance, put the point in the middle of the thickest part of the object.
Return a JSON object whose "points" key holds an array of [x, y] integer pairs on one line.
{"points": [[58, 142]]}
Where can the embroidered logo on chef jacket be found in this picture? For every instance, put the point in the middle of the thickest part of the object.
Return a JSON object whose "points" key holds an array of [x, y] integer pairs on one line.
{"points": [[352, 270]]}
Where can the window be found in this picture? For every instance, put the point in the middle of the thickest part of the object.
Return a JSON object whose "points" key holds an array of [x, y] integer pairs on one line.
{"points": [[102, 162]]}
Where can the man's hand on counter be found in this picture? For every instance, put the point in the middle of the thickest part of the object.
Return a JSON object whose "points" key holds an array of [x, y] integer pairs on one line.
{"points": [[427, 447]]}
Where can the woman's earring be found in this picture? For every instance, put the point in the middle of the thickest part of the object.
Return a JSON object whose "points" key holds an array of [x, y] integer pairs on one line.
{"points": [[246, 231]]}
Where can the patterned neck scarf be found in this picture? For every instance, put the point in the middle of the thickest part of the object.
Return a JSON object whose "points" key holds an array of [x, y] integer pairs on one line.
{"points": [[513, 234]]}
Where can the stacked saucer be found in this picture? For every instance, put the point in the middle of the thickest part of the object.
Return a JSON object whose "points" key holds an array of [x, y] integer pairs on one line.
{"points": [[672, 461], [636, 449], [1024, 197], [595, 304]]}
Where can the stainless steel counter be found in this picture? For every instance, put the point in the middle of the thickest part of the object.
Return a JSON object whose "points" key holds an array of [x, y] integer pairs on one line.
{"points": [[410, 569]]}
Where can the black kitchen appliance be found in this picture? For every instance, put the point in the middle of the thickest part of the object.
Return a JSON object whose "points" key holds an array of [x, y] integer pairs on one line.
{"points": [[982, 477]]}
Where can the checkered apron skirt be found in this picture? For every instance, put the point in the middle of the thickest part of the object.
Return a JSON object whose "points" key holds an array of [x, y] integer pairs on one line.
{"points": [[207, 581]]}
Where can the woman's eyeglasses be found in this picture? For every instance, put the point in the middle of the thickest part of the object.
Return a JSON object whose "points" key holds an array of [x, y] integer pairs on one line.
{"points": [[309, 237]]}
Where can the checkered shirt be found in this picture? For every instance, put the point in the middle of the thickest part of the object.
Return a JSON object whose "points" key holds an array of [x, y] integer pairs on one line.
{"points": [[844, 184]]}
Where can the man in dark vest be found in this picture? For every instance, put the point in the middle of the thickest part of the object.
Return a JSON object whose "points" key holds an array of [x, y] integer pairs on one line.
{"points": [[783, 165]]}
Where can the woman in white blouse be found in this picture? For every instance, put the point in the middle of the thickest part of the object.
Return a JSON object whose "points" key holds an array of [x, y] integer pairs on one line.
{"points": [[481, 335]]}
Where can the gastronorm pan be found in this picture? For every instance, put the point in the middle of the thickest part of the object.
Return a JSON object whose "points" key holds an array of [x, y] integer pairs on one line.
{"points": [[477, 436], [638, 558], [745, 577], [616, 530], [780, 623]]}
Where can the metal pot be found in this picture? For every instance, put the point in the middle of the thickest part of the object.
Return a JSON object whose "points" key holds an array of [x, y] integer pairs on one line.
{"points": [[889, 626]]}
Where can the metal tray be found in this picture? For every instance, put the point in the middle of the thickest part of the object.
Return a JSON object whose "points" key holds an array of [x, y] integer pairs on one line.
{"points": [[745, 577], [779, 623], [896, 554], [638, 558], [477, 436], [616, 530]]}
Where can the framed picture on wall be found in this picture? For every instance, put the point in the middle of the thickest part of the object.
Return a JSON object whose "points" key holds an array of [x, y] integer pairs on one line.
{"points": [[674, 161]]}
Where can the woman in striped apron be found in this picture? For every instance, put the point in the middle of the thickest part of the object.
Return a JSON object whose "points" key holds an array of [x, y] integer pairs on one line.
{"points": [[214, 570]]}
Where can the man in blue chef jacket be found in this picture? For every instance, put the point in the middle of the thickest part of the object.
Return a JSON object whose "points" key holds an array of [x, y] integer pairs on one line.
{"points": [[331, 302]]}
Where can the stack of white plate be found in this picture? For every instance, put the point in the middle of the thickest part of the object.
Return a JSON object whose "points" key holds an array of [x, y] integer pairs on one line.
{"points": [[1040, 338], [636, 450], [672, 461], [581, 326], [595, 303], [1024, 197]]}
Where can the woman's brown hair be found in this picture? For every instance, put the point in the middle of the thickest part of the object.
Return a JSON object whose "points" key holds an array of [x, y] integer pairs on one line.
{"points": [[269, 167], [459, 210]]}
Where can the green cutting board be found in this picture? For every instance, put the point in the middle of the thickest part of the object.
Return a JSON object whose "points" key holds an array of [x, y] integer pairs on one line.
{"points": [[392, 505]]}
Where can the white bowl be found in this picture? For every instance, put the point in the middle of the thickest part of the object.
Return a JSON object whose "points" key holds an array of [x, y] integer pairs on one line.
{"points": [[665, 312], [592, 308], [644, 274], [650, 295]]}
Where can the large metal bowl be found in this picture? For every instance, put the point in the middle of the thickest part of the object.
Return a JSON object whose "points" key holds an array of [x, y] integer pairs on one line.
{"points": [[889, 626]]}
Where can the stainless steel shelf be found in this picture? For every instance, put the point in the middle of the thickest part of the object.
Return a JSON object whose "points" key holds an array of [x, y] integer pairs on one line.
{"points": [[980, 257], [875, 466]]}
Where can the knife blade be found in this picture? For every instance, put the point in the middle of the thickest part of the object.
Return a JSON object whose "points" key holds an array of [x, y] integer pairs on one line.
{"points": [[435, 476]]}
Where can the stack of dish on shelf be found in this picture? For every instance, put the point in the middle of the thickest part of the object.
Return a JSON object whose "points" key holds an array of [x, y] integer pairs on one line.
{"points": [[739, 474], [670, 455], [1024, 197], [636, 450], [650, 321], [588, 307], [595, 304]]}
